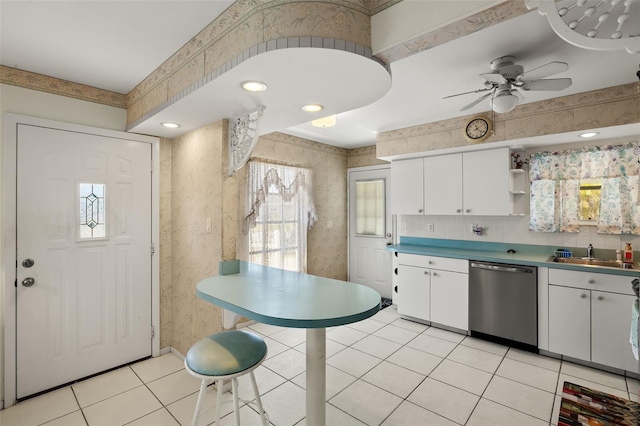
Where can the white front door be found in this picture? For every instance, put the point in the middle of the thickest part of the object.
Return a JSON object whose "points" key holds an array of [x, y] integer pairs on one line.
{"points": [[370, 262], [83, 296]]}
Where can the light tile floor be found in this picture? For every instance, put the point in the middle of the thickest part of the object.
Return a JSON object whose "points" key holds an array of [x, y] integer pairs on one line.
{"points": [[381, 371]]}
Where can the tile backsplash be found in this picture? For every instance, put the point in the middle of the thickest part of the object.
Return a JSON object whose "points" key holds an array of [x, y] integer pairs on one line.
{"points": [[509, 229]]}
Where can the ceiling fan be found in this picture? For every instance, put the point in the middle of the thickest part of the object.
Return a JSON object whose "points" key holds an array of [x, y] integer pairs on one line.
{"points": [[507, 77]]}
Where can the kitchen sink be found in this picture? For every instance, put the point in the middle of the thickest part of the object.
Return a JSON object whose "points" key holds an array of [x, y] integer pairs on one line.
{"points": [[592, 261]]}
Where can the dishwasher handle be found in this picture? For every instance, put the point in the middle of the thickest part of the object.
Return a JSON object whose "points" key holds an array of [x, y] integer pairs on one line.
{"points": [[500, 268]]}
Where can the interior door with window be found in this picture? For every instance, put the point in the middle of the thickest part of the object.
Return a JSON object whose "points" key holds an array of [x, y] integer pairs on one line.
{"points": [[370, 263], [83, 290]]}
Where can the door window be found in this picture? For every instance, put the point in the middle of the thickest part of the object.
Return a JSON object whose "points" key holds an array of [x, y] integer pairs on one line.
{"points": [[370, 202], [92, 221]]}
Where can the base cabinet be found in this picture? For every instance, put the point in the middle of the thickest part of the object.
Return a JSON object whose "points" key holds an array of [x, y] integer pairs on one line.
{"points": [[433, 289], [610, 329], [414, 292], [570, 322], [450, 299], [588, 320]]}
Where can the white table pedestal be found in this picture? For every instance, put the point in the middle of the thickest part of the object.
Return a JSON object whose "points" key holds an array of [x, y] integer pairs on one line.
{"points": [[316, 376]]}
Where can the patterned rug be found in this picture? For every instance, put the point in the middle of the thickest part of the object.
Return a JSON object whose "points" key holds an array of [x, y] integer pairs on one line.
{"points": [[583, 406]]}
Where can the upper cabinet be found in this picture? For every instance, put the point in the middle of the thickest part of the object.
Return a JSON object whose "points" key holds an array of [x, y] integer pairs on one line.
{"points": [[443, 182], [478, 183], [485, 182], [407, 187]]}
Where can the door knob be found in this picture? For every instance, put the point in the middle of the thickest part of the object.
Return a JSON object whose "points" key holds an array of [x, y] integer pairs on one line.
{"points": [[28, 263], [28, 282]]}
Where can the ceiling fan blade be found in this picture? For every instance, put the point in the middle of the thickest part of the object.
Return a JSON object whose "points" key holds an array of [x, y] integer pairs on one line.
{"points": [[476, 102], [492, 77], [548, 84], [543, 71], [466, 93]]}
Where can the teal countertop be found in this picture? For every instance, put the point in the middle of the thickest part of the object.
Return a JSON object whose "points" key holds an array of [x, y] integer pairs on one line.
{"points": [[529, 255], [288, 299]]}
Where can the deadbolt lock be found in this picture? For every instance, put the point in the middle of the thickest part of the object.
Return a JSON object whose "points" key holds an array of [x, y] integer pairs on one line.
{"points": [[28, 263], [28, 282]]}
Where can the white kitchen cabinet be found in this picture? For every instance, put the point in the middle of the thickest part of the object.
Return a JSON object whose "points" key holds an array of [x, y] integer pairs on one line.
{"points": [[569, 322], [450, 298], [433, 289], [485, 182], [414, 291], [443, 185], [407, 192], [590, 317], [610, 328], [472, 183]]}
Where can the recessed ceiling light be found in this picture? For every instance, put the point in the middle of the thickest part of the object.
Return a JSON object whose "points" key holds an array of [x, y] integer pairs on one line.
{"points": [[329, 121], [170, 125], [253, 86], [588, 134], [312, 107]]}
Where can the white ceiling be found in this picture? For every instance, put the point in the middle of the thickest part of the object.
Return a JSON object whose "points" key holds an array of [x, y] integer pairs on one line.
{"points": [[115, 45], [112, 45]]}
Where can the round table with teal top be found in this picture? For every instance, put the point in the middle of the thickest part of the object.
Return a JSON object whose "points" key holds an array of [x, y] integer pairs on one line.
{"points": [[291, 299]]}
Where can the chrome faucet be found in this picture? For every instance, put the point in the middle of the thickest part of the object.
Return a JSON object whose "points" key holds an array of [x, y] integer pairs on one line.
{"points": [[590, 251]]}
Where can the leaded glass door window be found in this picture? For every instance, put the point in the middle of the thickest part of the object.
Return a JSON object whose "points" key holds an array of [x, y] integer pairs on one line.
{"points": [[92, 202]]}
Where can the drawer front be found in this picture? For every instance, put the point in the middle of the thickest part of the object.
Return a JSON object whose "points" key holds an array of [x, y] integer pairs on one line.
{"points": [[433, 262], [591, 280]]}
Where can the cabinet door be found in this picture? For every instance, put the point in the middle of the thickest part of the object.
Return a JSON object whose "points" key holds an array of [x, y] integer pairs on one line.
{"points": [[443, 185], [407, 187], [485, 182], [450, 299], [570, 322], [414, 291], [610, 330]]}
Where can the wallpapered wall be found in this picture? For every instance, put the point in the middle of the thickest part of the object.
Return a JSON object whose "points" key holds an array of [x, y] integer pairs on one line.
{"points": [[195, 186], [327, 247], [196, 179]]}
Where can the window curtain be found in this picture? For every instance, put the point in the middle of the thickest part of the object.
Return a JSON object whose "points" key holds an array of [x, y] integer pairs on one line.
{"points": [[555, 188], [280, 211]]}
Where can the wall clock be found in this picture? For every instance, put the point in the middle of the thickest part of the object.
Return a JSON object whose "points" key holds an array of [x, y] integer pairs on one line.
{"points": [[478, 129]]}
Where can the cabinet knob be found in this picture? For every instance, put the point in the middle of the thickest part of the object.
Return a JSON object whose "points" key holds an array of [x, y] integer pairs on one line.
{"points": [[600, 297], [431, 262], [582, 296], [420, 211], [459, 211], [468, 210], [426, 272], [591, 281], [434, 274]]}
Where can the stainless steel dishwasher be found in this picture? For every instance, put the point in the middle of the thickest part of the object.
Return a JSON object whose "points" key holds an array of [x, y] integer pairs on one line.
{"points": [[503, 303]]}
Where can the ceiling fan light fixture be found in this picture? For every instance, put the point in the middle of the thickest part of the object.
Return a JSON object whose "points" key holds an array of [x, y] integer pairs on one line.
{"points": [[504, 101]]}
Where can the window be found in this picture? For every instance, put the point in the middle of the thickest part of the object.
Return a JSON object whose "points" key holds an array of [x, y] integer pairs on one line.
{"points": [[589, 205], [92, 223], [591, 185], [280, 211], [370, 215]]}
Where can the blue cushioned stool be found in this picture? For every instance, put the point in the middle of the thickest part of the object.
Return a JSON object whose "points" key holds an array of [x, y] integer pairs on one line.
{"points": [[222, 356]]}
